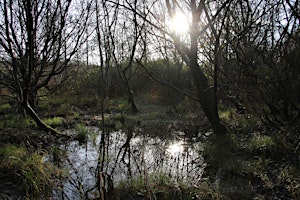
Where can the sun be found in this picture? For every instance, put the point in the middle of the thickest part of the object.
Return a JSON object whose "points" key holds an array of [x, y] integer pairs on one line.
{"points": [[179, 23]]}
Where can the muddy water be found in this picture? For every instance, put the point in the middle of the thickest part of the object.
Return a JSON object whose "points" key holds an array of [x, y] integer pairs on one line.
{"points": [[128, 157]]}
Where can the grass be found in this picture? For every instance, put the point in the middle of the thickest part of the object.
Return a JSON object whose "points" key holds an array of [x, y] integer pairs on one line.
{"points": [[4, 107], [220, 153], [161, 186], [248, 158], [29, 123], [82, 133], [33, 174], [154, 186], [55, 121], [261, 142], [250, 161], [8, 120]]}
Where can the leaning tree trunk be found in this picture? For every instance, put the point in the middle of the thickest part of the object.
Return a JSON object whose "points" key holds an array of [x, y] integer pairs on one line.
{"points": [[205, 92], [28, 109], [206, 98]]}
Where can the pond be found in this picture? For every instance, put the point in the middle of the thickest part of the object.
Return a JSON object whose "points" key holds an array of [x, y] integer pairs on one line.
{"points": [[127, 155]]}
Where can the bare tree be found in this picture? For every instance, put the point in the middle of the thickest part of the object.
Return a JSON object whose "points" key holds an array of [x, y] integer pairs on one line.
{"points": [[260, 38], [128, 44], [188, 48], [37, 41], [189, 51]]}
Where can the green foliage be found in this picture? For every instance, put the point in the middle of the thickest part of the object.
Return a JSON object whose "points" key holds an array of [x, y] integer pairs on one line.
{"points": [[262, 143], [50, 103], [34, 174], [29, 123], [207, 191], [153, 186], [220, 155], [12, 155], [119, 104], [55, 121], [8, 120], [265, 160], [63, 110], [76, 115], [58, 154], [4, 107], [226, 115], [119, 117], [82, 133]]}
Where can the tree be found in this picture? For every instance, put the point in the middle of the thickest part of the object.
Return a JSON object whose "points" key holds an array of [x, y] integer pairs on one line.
{"points": [[37, 42], [189, 51], [128, 44], [188, 48], [259, 40]]}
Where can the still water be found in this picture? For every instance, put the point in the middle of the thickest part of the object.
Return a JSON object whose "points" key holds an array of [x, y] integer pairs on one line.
{"points": [[175, 156]]}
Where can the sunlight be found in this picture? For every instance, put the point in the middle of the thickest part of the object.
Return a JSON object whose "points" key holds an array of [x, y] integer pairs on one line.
{"points": [[175, 148], [179, 23]]}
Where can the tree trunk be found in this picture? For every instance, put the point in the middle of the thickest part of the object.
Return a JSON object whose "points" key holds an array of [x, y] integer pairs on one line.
{"points": [[205, 92], [131, 101], [206, 98], [130, 96], [33, 99], [37, 120]]}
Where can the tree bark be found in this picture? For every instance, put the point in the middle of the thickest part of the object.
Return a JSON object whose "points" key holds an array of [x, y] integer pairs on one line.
{"points": [[206, 98], [131, 101], [206, 94], [38, 120]]}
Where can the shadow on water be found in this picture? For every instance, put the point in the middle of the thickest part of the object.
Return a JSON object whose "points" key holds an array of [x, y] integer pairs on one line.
{"points": [[129, 154]]}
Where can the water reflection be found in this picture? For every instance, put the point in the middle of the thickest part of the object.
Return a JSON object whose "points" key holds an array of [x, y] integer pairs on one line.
{"points": [[128, 156], [176, 149]]}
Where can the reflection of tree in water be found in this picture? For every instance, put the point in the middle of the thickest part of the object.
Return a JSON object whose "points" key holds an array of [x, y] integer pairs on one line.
{"points": [[126, 150], [129, 155]]}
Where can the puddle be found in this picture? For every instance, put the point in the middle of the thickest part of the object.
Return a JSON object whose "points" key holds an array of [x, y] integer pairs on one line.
{"points": [[177, 157]]}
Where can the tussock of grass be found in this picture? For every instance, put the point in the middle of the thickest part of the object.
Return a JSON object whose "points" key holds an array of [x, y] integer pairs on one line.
{"points": [[33, 174], [82, 133]]}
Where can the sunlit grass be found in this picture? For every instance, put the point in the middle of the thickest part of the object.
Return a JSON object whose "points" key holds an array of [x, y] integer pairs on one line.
{"points": [[226, 114], [157, 185], [55, 121], [261, 142]]}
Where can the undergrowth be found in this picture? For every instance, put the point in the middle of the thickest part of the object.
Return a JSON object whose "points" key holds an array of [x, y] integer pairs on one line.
{"points": [[252, 161], [26, 170]]}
